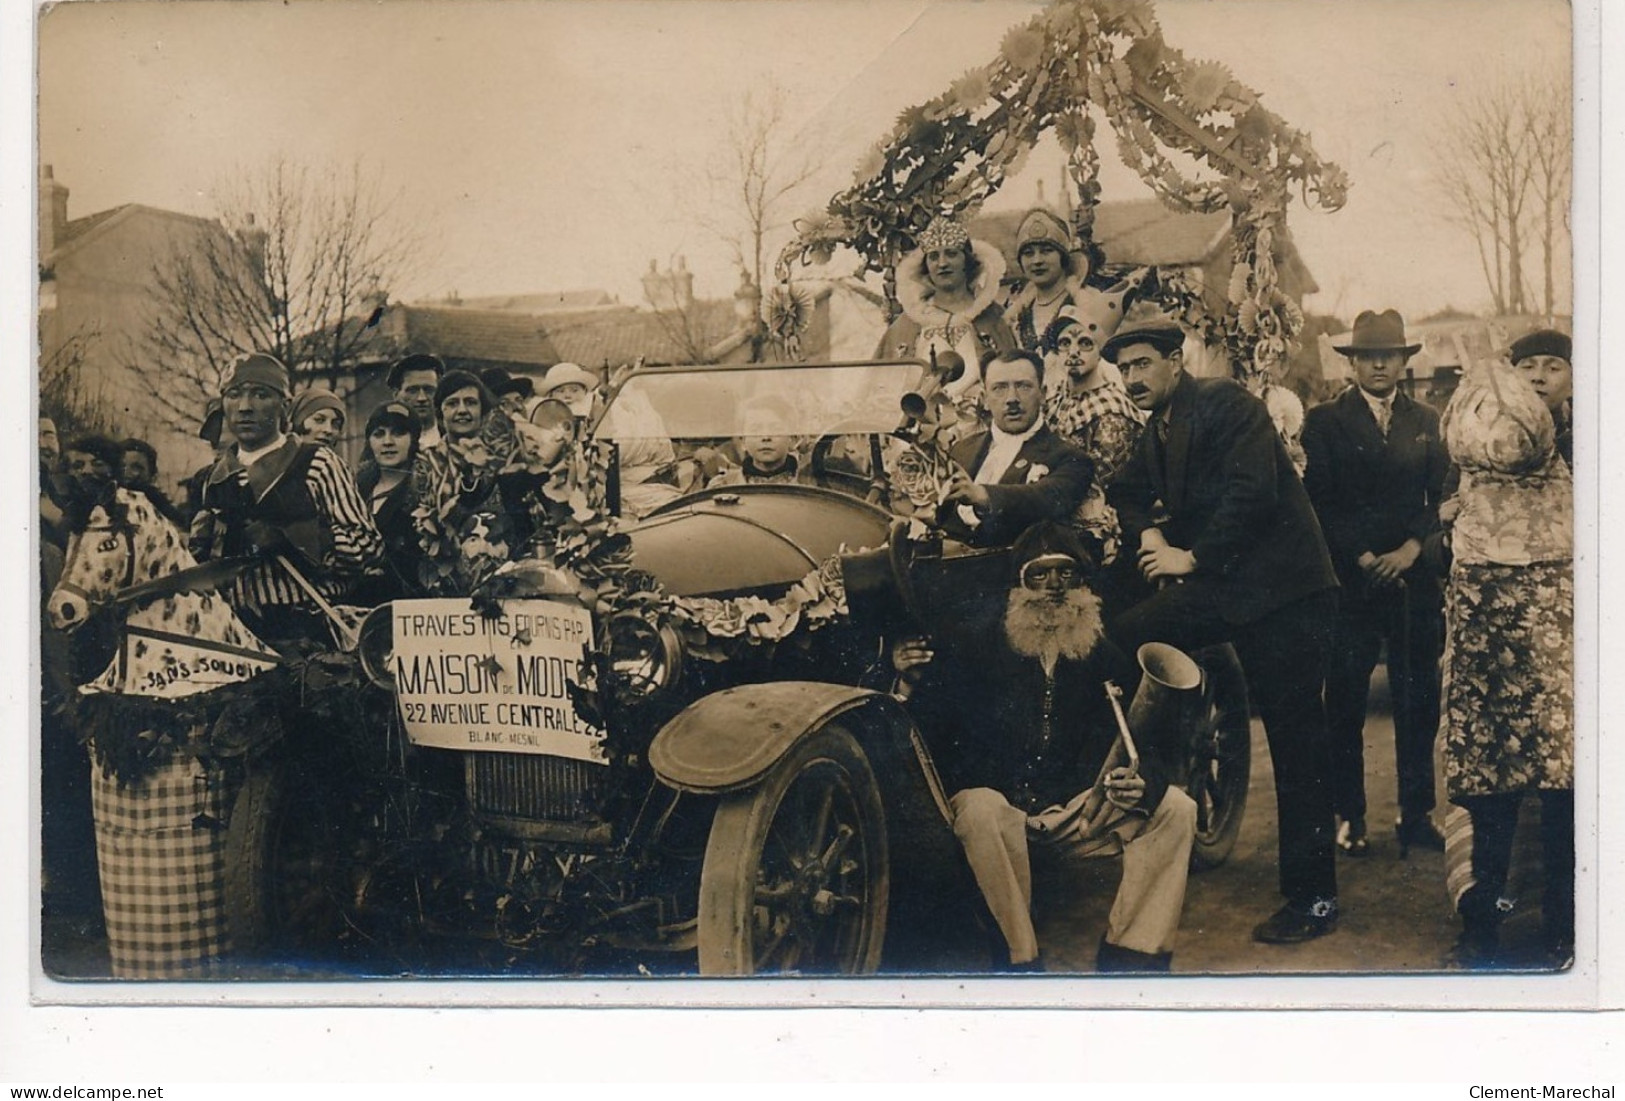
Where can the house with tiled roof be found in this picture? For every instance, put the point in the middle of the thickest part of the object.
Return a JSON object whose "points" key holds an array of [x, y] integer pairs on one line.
{"points": [[95, 288]]}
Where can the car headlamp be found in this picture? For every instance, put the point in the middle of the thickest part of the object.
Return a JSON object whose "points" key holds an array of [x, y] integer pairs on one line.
{"points": [[376, 646], [643, 659]]}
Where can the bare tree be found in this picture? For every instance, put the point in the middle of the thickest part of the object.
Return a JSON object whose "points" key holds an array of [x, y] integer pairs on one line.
{"points": [[74, 398], [753, 177], [296, 264], [741, 193], [1502, 165], [1551, 122]]}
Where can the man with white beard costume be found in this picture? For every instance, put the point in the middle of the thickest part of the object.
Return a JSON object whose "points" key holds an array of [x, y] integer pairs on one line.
{"points": [[1021, 731]]}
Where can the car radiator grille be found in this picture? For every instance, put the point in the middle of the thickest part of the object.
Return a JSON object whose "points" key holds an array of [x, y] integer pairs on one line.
{"points": [[526, 785]]}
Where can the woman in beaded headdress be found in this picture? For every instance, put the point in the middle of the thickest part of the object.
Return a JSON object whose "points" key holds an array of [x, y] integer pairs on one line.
{"points": [[949, 288]]}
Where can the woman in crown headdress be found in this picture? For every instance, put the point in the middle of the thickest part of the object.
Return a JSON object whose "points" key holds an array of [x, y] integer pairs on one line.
{"points": [[949, 290]]}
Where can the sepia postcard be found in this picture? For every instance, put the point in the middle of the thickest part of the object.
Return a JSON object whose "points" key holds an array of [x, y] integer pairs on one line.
{"points": [[1072, 504]]}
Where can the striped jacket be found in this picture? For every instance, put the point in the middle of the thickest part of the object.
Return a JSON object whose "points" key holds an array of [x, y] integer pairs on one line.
{"points": [[306, 492]]}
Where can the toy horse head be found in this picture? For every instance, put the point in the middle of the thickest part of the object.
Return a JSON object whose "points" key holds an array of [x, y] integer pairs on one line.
{"points": [[114, 544]]}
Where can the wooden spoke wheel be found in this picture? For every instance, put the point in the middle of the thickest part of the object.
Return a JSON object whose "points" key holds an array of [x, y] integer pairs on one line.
{"points": [[1219, 761], [796, 876]]}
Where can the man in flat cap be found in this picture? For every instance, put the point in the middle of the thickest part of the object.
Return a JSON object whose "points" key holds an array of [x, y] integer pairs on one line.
{"points": [[283, 501], [1376, 474], [1223, 525], [1023, 735], [414, 380]]}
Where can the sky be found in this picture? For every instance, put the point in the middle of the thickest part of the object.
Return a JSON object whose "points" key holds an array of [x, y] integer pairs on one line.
{"points": [[554, 145]]}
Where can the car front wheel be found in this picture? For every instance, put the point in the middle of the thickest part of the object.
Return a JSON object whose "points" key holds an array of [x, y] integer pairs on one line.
{"points": [[796, 877]]}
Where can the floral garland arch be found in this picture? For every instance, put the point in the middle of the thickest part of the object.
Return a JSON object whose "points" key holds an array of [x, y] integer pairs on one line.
{"points": [[947, 156]]}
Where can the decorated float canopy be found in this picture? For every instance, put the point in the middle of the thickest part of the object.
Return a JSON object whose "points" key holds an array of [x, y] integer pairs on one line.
{"points": [[1077, 59]]}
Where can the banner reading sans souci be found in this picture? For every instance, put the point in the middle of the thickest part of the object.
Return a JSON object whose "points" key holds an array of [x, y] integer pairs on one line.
{"points": [[465, 681]]}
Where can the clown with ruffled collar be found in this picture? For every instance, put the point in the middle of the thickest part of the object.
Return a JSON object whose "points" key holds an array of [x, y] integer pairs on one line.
{"points": [[949, 288]]}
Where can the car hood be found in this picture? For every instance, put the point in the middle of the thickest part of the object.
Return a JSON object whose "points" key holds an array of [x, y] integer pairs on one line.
{"points": [[752, 538]]}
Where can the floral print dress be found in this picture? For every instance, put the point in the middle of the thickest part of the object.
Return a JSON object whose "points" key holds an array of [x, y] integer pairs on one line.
{"points": [[1508, 723]]}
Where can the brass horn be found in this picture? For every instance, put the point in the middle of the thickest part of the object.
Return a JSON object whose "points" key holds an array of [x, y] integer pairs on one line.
{"points": [[947, 368], [1168, 692]]}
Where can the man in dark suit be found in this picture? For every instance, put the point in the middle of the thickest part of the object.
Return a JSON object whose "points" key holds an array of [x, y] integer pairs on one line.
{"points": [[1223, 525], [1017, 472], [1376, 475]]}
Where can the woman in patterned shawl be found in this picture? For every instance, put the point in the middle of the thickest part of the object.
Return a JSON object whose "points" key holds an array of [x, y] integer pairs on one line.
{"points": [[1509, 652], [473, 488]]}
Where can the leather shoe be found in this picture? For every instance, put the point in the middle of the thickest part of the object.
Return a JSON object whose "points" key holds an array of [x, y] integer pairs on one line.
{"points": [[1115, 959], [1419, 832], [1293, 924]]}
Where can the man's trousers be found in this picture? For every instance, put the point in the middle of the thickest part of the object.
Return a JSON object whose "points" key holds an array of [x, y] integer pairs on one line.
{"points": [[1156, 855], [1411, 620], [1283, 654]]}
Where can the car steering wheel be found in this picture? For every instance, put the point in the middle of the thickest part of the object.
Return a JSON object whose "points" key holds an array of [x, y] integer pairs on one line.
{"points": [[849, 481]]}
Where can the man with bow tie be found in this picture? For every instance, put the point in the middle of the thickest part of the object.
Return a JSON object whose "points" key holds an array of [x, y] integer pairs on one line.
{"points": [[1017, 472], [1222, 525], [1376, 473]]}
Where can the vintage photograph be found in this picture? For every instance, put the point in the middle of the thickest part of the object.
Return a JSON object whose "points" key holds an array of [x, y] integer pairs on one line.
{"points": [[584, 489]]}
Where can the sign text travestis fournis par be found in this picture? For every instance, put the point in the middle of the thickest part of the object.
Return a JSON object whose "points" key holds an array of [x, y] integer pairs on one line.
{"points": [[464, 681]]}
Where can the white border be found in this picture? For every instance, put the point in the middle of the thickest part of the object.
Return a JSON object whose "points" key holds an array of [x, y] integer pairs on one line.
{"points": [[75, 1043]]}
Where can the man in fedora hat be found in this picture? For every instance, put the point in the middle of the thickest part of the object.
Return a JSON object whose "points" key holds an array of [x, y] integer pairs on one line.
{"points": [[1023, 733], [1221, 523], [512, 392], [415, 378], [1376, 474]]}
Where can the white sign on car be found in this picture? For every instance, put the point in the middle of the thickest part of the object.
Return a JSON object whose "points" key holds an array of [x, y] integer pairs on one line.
{"points": [[465, 681]]}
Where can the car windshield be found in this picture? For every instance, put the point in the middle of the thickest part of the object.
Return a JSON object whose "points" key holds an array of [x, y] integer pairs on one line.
{"points": [[690, 403]]}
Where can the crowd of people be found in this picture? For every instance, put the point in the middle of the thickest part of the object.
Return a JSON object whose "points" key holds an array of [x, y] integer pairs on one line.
{"points": [[1143, 504], [1199, 518]]}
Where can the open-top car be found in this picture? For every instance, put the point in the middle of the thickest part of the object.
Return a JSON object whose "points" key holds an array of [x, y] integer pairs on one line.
{"points": [[681, 744]]}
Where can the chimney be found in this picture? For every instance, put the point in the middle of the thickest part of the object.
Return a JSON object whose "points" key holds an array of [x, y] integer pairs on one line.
{"points": [[669, 290], [253, 240], [53, 212]]}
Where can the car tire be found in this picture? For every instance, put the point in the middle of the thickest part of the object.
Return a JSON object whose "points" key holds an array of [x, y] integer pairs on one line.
{"points": [[796, 876], [1218, 769]]}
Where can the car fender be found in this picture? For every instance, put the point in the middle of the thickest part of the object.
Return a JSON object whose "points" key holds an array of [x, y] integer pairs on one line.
{"points": [[728, 741]]}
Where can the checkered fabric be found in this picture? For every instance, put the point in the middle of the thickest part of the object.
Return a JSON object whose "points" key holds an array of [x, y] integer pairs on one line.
{"points": [[163, 874]]}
